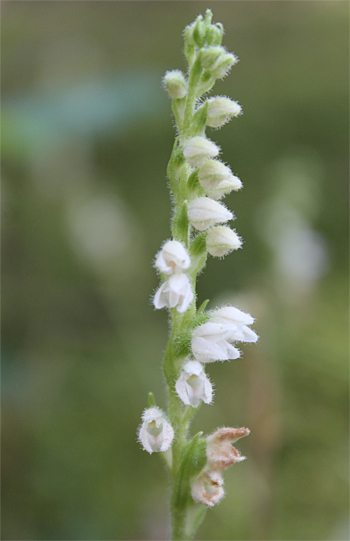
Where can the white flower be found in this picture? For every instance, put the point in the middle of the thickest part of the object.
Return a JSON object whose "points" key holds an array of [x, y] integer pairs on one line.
{"points": [[221, 240], [217, 179], [238, 321], [221, 110], [176, 291], [175, 83], [203, 212], [199, 149], [193, 385], [211, 342], [208, 488], [155, 434], [172, 258], [220, 453]]}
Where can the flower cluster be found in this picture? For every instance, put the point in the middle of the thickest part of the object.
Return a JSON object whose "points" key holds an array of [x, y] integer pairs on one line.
{"points": [[173, 259], [198, 181]]}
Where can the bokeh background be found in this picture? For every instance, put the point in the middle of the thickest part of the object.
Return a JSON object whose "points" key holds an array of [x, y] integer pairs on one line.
{"points": [[87, 132]]}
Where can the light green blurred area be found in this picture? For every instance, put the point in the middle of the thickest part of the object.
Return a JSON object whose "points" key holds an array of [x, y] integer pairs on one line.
{"points": [[86, 135]]}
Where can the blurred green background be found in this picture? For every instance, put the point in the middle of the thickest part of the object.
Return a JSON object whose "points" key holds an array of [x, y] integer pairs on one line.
{"points": [[87, 132]]}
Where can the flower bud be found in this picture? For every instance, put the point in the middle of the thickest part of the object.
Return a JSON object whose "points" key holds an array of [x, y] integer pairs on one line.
{"points": [[193, 385], [217, 179], [208, 488], [173, 258], [203, 212], [174, 292], [175, 84], [155, 433], [210, 55], [223, 65], [221, 240], [214, 34], [221, 110], [220, 453], [199, 149]]}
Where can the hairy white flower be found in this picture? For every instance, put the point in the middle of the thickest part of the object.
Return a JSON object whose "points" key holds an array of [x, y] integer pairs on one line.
{"points": [[208, 488], [238, 321], [203, 212], [221, 110], [155, 433], [217, 179], [211, 342], [172, 258], [174, 292], [199, 149], [221, 240], [220, 452], [193, 385], [175, 83]]}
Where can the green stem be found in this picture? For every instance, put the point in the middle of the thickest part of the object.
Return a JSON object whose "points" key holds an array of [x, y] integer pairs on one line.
{"points": [[180, 416]]}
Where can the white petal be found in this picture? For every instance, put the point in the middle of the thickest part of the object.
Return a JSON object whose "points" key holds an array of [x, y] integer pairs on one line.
{"points": [[230, 314]]}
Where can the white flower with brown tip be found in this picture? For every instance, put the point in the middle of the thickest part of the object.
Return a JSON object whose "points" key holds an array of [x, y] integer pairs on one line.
{"points": [[208, 488]]}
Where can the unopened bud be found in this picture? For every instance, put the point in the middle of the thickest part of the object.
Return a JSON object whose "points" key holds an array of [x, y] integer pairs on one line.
{"points": [[210, 55], [214, 34], [199, 149], [217, 179], [221, 110], [223, 65], [221, 240], [175, 84], [203, 212], [199, 30]]}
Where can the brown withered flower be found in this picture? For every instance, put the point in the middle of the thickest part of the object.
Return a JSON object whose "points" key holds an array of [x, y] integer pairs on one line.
{"points": [[220, 452]]}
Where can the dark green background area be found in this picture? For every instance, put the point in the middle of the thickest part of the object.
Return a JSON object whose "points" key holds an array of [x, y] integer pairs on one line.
{"points": [[86, 135]]}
